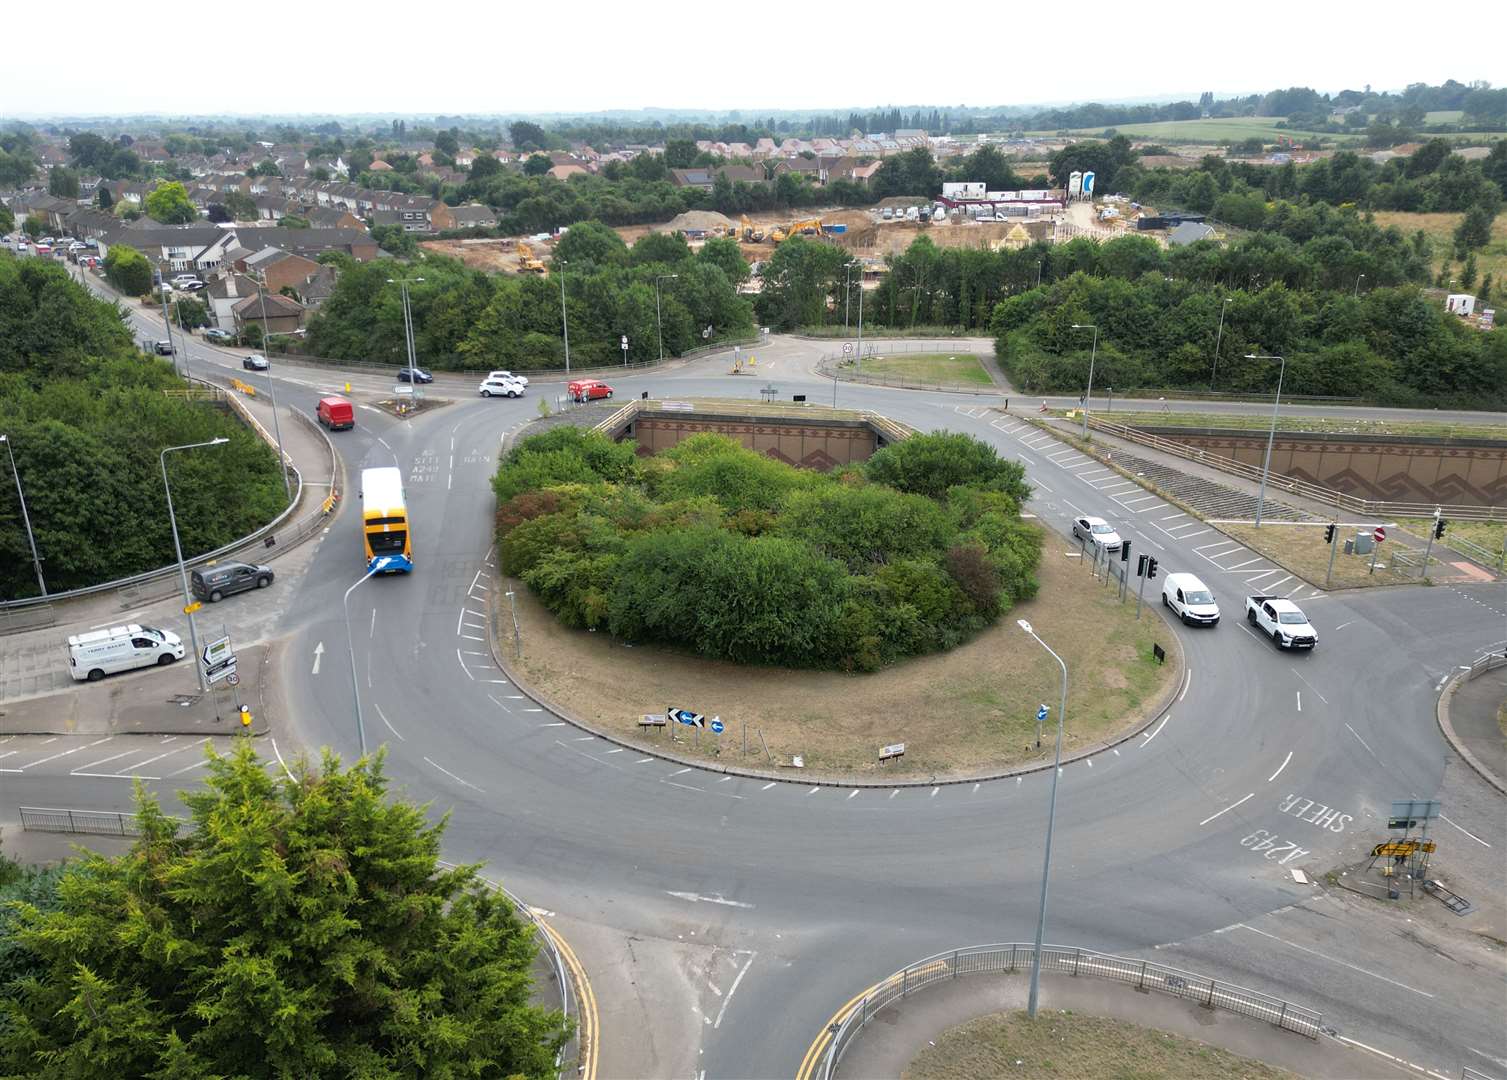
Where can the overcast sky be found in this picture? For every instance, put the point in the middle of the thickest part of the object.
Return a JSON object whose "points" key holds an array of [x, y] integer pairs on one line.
{"points": [[522, 57]]}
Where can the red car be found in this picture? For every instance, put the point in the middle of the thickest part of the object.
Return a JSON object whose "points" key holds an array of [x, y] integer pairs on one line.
{"points": [[588, 390]]}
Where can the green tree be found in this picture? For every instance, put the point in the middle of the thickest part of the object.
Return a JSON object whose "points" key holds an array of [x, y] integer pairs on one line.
{"points": [[7, 219], [448, 142], [240, 206], [170, 205], [680, 153], [931, 463], [190, 314], [34, 225], [62, 182], [1474, 230], [296, 927], [660, 247], [527, 136], [485, 167], [537, 165], [724, 253], [293, 221], [102, 198], [128, 270], [1468, 271], [591, 244]]}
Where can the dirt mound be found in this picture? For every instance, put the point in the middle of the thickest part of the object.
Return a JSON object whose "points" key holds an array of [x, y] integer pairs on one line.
{"points": [[696, 221]]}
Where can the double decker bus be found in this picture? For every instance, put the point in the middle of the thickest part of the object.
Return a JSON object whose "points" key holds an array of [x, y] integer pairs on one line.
{"points": [[385, 529]]}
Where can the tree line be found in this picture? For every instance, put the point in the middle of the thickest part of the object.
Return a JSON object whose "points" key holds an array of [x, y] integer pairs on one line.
{"points": [[472, 320], [87, 414], [736, 556]]}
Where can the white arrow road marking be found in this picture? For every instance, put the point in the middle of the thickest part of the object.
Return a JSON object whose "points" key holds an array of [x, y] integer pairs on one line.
{"points": [[318, 652], [697, 898]]}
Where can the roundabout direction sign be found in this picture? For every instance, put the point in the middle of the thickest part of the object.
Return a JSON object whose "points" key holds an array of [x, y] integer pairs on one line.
{"points": [[716, 725]]}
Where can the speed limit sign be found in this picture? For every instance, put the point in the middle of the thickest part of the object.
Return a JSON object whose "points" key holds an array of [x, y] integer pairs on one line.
{"points": [[847, 348], [233, 679]]}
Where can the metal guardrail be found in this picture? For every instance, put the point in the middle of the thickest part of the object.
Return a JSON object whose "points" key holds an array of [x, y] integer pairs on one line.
{"points": [[93, 822], [1478, 553], [1340, 500], [1482, 664], [891, 429], [1145, 975]]}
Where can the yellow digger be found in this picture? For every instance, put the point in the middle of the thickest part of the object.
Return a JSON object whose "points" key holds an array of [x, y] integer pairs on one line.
{"points": [[527, 264], [751, 235]]}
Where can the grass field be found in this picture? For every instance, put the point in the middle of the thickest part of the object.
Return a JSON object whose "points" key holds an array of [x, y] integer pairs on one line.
{"points": [[1069, 1046], [940, 369], [1489, 534], [1444, 116], [1319, 424], [961, 711], [1232, 129], [1301, 549], [1440, 228]]}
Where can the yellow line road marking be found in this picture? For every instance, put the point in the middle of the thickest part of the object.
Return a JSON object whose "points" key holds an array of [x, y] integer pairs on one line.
{"points": [[588, 1003]]}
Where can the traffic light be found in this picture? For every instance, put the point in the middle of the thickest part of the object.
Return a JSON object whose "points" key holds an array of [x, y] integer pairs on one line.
{"points": [[1140, 567], [1439, 529], [1125, 551], [1151, 567], [1329, 533]]}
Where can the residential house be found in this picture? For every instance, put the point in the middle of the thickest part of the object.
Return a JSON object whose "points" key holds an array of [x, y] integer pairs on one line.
{"points": [[273, 312], [565, 172], [318, 287], [706, 179], [444, 217], [409, 220], [277, 269], [331, 217]]}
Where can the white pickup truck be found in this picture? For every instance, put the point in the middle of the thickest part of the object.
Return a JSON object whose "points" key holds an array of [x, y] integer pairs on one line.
{"points": [[1281, 620]]}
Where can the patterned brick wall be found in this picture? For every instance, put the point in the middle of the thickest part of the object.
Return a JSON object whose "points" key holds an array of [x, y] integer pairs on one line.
{"points": [[820, 446]]}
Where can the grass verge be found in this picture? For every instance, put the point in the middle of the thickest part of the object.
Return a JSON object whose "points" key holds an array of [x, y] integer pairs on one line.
{"points": [[959, 712], [939, 369], [1317, 424], [1072, 1045], [1301, 549], [1491, 535]]}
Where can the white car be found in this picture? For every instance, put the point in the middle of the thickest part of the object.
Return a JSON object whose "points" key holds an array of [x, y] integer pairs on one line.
{"points": [[1191, 599], [1098, 530], [181, 281], [491, 387], [506, 375]]}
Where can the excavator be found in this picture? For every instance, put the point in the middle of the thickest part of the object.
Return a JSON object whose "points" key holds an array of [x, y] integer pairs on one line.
{"points": [[527, 264], [751, 235], [809, 227]]}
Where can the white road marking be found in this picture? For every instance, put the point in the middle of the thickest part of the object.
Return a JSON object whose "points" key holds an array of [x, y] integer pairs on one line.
{"points": [[731, 991], [280, 760], [463, 666], [852, 793], [1389, 1057], [1158, 730], [934, 791], [1226, 810], [894, 792], [1333, 960], [1342, 625], [1187, 682], [681, 772], [1300, 699], [1308, 684], [1467, 832], [318, 652], [1363, 743], [390, 728], [769, 785], [61, 753], [1278, 583], [1280, 767], [452, 776], [1248, 562]]}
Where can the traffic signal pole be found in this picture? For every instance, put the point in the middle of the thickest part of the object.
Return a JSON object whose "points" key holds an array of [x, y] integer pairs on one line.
{"points": [[1333, 547]]}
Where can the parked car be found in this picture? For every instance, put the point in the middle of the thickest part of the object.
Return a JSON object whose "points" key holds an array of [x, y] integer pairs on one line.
{"points": [[491, 387], [163, 348], [43, 248], [335, 413], [888, 214], [192, 287], [1098, 530], [588, 390], [181, 281], [507, 375], [218, 336], [255, 362], [21, 245], [1191, 599], [418, 373], [214, 583]]}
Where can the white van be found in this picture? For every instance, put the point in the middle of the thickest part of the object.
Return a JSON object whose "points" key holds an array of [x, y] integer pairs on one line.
{"points": [[1191, 599], [98, 653]]}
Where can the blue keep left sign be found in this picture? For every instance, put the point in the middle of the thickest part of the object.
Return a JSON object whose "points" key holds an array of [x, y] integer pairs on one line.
{"points": [[1041, 713], [716, 726]]}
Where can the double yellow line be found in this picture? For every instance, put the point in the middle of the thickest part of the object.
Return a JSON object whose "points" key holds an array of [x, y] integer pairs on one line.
{"points": [[818, 1046], [586, 1001]]}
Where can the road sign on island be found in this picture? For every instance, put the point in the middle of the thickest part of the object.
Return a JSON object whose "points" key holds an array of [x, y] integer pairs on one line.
{"points": [[1379, 534], [1041, 714], [716, 725]]}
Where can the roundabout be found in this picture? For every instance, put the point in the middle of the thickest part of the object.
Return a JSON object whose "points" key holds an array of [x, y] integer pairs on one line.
{"points": [[721, 918]]}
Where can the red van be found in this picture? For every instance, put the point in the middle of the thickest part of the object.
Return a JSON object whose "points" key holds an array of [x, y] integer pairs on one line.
{"points": [[336, 413], [588, 390]]}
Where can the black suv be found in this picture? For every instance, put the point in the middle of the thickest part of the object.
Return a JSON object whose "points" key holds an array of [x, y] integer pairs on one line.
{"points": [[214, 583], [419, 375]]}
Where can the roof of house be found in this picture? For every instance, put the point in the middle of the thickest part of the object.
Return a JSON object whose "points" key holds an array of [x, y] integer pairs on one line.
{"points": [[1189, 232], [278, 305], [473, 215]]}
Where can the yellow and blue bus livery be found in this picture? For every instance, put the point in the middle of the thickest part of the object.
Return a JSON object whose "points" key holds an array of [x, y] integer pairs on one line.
{"points": [[385, 530]]}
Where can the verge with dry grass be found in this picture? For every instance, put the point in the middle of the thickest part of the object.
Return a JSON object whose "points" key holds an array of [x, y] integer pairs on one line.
{"points": [[1072, 1045], [1301, 549], [940, 369]]}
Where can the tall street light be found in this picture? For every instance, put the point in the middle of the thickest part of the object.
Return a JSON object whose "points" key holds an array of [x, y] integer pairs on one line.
{"points": [[188, 603], [25, 517], [282, 459], [1094, 352], [402, 284], [1046, 866], [1271, 435], [167, 324], [847, 292], [564, 318], [659, 325], [1357, 284], [377, 566], [1219, 337]]}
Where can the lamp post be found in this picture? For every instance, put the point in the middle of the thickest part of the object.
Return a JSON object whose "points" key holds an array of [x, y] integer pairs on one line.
{"points": [[1038, 272], [188, 603], [277, 430], [1219, 337], [402, 284], [858, 357], [377, 566], [1357, 284], [847, 292], [564, 318], [658, 321], [1046, 866], [1271, 436], [25, 517], [1093, 352], [167, 324]]}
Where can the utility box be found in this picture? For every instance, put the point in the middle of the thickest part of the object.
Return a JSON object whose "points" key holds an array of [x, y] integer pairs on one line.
{"points": [[1363, 542]]}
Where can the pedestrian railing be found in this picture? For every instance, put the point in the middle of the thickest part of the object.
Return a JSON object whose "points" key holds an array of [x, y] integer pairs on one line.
{"points": [[1144, 975], [93, 822], [1478, 553]]}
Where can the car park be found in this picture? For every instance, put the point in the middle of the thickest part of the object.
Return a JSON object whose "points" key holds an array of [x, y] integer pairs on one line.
{"points": [[214, 583], [220, 337], [255, 362], [1190, 599], [1098, 530], [417, 375], [491, 387], [507, 375]]}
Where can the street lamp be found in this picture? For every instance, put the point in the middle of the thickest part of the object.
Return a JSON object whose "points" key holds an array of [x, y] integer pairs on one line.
{"points": [[1214, 374], [167, 324], [1266, 464], [188, 603], [277, 430], [402, 284], [377, 566], [1357, 284], [1046, 866], [847, 292], [1092, 354], [25, 517], [658, 322], [858, 358], [564, 318]]}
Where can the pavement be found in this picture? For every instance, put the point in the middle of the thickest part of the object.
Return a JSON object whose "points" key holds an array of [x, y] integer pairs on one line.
{"points": [[1473, 714]]}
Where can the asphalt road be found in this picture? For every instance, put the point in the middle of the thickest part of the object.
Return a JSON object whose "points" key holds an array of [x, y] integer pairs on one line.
{"points": [[722, 920]]}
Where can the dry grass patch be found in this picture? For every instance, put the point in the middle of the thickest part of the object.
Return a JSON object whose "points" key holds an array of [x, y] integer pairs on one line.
{"points": [[959, 712], [940, 369], [1071, 1046], [1440, 228], [1301, 549]]}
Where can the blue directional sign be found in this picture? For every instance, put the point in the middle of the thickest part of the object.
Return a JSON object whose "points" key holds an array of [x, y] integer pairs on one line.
{"points": [[716, 726], [686, 717], [1041, 713]]}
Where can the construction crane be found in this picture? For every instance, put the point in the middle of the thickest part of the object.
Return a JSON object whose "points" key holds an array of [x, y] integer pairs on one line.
{"points": [[527, 264], [751, 235]]}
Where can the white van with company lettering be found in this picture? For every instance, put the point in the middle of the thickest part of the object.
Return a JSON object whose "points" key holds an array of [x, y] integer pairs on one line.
{"points": [[98, 653]]}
